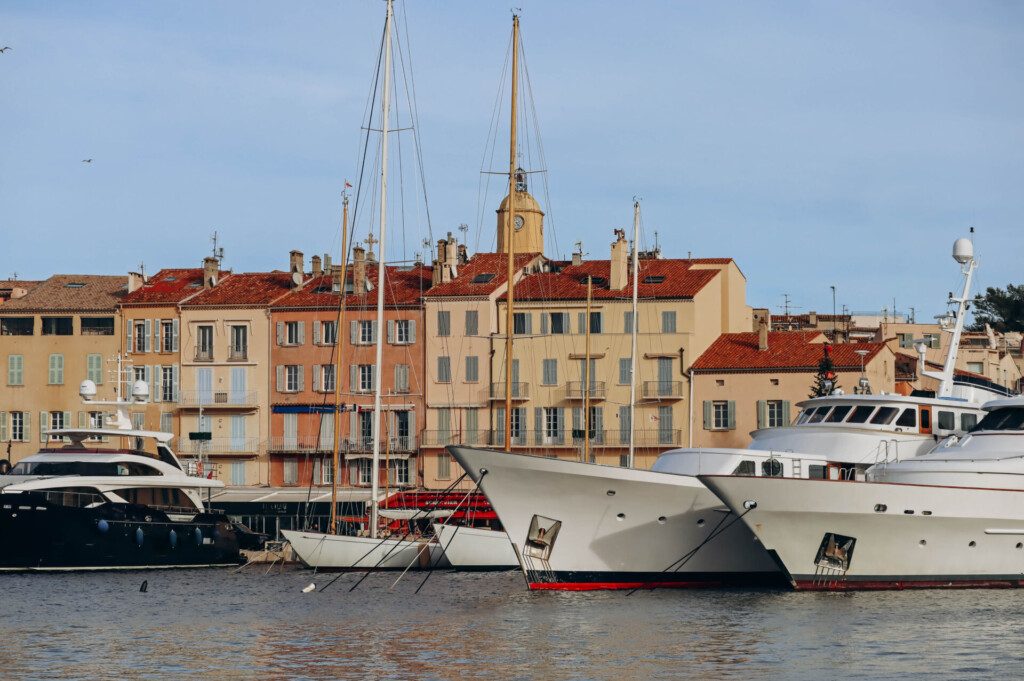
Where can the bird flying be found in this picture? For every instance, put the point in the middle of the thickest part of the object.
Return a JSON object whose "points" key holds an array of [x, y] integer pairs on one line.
{"points": [[5, 48], [86, 160]]}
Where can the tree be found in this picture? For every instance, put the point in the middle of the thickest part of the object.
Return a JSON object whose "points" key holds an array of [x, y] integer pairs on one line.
{"points": [[1002, 310], [826, 380]]}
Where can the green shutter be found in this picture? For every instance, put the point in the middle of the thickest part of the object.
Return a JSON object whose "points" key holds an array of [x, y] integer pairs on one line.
{"points": [[731, 415], [44, 425], [3, 426], [786, 414], [708, 415], [762, 413]]}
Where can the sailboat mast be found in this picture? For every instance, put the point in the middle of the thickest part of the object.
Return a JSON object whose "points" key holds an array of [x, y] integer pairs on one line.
{"points": [[633, 333], [335, 457], [586, 375], [384, 119], [509, 232]]}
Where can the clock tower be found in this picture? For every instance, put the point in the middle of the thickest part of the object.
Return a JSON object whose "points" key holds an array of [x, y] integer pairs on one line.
{"points": [[528, 224]]}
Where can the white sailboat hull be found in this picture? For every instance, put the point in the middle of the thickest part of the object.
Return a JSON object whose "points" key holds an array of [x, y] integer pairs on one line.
{"points": [[339, 552], [905, 536], [471, 548], [620, 528]]}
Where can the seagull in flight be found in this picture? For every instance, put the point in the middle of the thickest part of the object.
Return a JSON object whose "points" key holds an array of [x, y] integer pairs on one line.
{"points": [[5, 48], [86, 160]]}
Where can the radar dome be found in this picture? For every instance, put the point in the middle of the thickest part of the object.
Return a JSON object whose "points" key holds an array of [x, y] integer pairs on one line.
{"points": [[140, 390], [963, 251], [87, 389]]}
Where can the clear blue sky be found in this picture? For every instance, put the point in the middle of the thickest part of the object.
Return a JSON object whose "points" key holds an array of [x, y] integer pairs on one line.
{"points": [[817, 143]]}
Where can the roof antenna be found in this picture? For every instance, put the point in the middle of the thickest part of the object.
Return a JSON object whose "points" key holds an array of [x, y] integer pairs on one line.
{"points": [[218, 252]]}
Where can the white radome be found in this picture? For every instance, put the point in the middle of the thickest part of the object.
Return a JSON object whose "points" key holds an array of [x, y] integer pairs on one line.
{"points": [[963, 251]]}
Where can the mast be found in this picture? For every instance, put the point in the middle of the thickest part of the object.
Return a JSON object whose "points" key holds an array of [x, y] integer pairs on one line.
{"points": [[335, 460], [509, 233], [384, 118], [586, 376], [963, 253], [633, 349]]}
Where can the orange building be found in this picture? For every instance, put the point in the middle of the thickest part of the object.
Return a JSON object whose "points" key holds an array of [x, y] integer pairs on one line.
{"points": [[305, 340]]}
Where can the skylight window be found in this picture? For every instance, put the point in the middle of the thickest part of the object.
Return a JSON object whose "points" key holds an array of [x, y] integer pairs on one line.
{"points": [[596, 281], [74, 284], [654, 279], [483, 278]]}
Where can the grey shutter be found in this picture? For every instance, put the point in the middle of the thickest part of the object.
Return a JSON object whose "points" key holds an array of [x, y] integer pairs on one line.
{"points": [[499, 426], [27, 435], [3, 426], [538, 425], [731, 415], [66, 423], [561, 425], [175, 371], [412, 330], [147, 341], [316, 378], [581, 322], [353, 378], [398, 378], [412, 431], [128, 336], [151, 379], [353, 328], [158, 372], [627, 321], [762, 413], [624, 424], [280, 333], [44, 425], [391, 331], [786, 418], [302, 378], [81, 420], [174, 335], [543, 323], [353, 426], [708, 415], [302, 333], [373, 331], [280, 378], [316, 333], [529, 324], [598, 425]]}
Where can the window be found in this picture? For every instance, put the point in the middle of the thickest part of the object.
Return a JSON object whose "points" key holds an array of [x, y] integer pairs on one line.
{"points": [[329, 333], [239, 348], [97, 326], [444, 369], [15, 370], [400, 472], [552, 423], [818, 415], [627, 321], [401, 378], [776, 414], [518, 423], [1004, 418], [57, 326], [976, 367], [444, 466], [403, 332], [968, 421], [166, 422], [908, 419], [204, 342], [839, 413], [327, 378], [139, 374], [472, 322], [365, 471], [57, 422], [166, 384], [366, 336], [444, 323], [292, 381], [167, 336], [18, 433], [549, 372], [595, 322], [365, 378], [472, 369], [483, 278], [668, 321], [884, 416], [860, 414], [559, 322], [140, 335], [521, 323], [238, 473], [291, 471], [625, 370], [947, 420], [719, 415], [906, 340], [745, 467], [654, 279], [17, 326], [56, 373], [933, 340]]}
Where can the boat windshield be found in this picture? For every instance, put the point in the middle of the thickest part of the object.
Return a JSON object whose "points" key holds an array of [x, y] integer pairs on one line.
{"points": [[99, 468], [1005, 418]]}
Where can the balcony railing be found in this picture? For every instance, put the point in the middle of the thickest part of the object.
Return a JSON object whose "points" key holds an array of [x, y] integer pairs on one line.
{"points": [[662, 390], [204, 354], [238, 354], [563, 437], [306, 443], [221, 445], [440, 438], [218, 398], [574, 390], [520, 391]]}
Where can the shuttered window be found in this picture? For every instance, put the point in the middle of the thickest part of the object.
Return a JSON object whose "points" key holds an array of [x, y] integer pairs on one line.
{"points": [[15, 370]]}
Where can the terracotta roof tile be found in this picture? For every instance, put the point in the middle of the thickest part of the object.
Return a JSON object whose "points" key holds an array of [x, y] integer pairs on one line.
{"points": [[403, 286], [169, 286], [786, 350], [71, 293], [478, 266], [657, 279], [248, 289]]}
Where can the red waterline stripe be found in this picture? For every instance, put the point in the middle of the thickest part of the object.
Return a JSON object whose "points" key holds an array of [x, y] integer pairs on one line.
{"points": [[611, 586], [887, 585]]}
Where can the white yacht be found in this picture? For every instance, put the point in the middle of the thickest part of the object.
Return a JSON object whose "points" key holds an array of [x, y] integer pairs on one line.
{"points": [[586, 526], [80, 505], [953, 517]]}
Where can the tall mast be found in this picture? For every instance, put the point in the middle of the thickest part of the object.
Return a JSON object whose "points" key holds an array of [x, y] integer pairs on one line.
{"points": [[633, 349], [384, 119], [963, 253], [586, 375], [335, 460], [509, 232]]}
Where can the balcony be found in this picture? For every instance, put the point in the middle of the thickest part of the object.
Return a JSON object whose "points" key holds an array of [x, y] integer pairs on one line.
{"points": [[440, 438], [204, 354], [218, 399], [520, 391], [298, 445], [574, 390], [246, 446], [238, 354], [662, 390]]}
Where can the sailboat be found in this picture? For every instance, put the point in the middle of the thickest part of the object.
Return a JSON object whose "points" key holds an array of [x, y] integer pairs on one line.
{"points": [[337, 551]]}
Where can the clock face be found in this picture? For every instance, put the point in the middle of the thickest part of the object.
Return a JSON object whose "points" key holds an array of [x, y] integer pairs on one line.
{"points": [[518, 222]]}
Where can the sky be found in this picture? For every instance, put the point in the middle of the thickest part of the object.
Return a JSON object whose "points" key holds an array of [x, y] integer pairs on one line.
{"points": [[818, 144]]}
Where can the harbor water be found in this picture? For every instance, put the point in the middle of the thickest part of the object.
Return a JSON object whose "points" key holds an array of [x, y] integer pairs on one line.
{"points": [[223, 624]]}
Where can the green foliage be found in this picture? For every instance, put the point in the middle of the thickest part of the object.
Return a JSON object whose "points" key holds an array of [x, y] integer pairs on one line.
{"points": [[1002, 309], [826, 372]]}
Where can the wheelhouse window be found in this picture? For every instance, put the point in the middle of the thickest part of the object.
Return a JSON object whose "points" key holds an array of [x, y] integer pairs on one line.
{"points": [[839, 413], [860, 414], [745, 467], [772, 468], [97, 326], [968, 421], [17, 326], [818, 415], [908, 419], [1006, 418], [57, 326], [884, 416]]}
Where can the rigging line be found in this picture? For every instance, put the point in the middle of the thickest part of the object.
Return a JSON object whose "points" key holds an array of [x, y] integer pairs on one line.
{"points": [[444, 547], [541, 153], [492, 139]]}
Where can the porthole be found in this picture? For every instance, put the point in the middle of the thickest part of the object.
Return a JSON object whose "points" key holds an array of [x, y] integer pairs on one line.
{"points": [[926, 512], [908, 511], [1020, 545], [621, 516], [881, 508], [611, 493], [972, 544], [922, 543], [662, 520], [700, 522]]}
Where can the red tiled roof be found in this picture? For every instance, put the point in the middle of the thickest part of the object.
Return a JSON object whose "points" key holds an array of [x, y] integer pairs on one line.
{"points": [[169, 286], [786, 350], [403, 286], [71, 292], [680, 280], [245, 289], [481, 263]]}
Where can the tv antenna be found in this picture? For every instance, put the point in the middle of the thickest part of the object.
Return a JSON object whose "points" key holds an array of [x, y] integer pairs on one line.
{"points": [[218, 251]]}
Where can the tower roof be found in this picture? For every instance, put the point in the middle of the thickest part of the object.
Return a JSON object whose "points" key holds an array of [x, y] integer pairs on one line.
{"points": [[524, 203]]}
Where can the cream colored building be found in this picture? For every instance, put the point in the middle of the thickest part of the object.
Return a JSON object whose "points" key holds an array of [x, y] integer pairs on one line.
{"points": [[63, 331]]}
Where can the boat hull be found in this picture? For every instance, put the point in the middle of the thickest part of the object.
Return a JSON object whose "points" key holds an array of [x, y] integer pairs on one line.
{"points": [[903, 536], [472, 548], [340, 552], [41, 536], [618, 528]]}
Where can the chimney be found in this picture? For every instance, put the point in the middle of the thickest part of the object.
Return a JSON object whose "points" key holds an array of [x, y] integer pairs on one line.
{"points": [[762, 314], [211, 269], [577, 258], [335, 278], [620, 262], [315, 264], [463, 254], [812, 318], [135, 282], [327, 262], [451, 254], [297, 267], [359, 270], [762, 335]]}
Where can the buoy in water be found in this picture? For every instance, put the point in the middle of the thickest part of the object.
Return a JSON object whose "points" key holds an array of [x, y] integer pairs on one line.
{"points": [[311, 587], [145, 586]]}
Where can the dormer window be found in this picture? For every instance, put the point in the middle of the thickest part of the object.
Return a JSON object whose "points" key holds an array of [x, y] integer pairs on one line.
{"points": [[483, 278], [596, 281], [654, 279]]}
